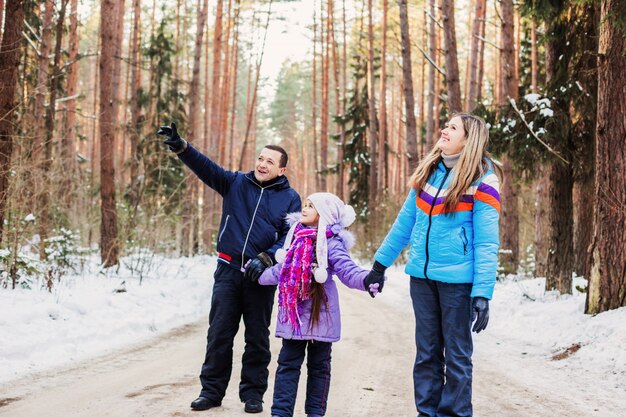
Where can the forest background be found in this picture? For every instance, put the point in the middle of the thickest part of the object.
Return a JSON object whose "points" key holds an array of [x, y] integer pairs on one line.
{"points": [[84, 85]]}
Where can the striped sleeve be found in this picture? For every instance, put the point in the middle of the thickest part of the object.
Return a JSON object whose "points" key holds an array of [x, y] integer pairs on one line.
{"points": [[486, 216], [488, 191]]}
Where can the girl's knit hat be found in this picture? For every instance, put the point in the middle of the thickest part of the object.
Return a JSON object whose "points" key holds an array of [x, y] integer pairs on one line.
{"points": [[334, 214]]}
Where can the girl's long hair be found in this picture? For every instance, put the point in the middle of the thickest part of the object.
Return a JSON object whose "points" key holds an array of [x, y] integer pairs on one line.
{"points": [[318, 298], [471, 166]]}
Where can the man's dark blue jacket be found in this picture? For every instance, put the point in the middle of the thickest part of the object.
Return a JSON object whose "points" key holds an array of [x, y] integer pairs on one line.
{"points": [[253, 214]]}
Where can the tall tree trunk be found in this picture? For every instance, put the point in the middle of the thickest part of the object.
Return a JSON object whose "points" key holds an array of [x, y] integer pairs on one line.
{"points": [[607, 281], [9, 70], [1, 16], [325, 43], [518, 47], [583, 223], [587, 76], [341, 182], [558, 175], [211, 142], [452, 63], [252, 114], [382, 110], [190, 205], [373, 125], [225, 88], [339, 131], [472, 95], [117, 79], [39, 154], [135, 107], [509, 231], [533, 56], [560, 258], [432, 51], [508, 87], [94, 142], [407, 82], [438, 90], [481, 53], [422, 97], [233, 114], [68, 139], [54, 86], [109, 245], [314, 94]]}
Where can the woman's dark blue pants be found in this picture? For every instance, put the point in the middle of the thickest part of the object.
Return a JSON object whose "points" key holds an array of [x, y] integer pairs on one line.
{"points": [[442, 374]]}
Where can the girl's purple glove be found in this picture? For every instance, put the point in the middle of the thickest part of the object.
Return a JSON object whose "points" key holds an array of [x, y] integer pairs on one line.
{"points": [[373, 289], [375, 276]]}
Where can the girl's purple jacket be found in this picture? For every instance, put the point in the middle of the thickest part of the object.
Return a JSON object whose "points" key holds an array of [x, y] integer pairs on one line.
{"points": [[328, 328]]}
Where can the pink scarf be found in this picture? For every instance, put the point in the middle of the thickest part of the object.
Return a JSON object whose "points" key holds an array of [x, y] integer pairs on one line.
{"points": [[296, 275]]}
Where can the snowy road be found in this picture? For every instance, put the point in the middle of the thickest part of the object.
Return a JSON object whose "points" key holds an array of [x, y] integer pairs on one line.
{"points": [[371, 376]]}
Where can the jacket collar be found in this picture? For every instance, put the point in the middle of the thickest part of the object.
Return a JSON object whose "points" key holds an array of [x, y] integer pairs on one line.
{"points": [[279, 182]]}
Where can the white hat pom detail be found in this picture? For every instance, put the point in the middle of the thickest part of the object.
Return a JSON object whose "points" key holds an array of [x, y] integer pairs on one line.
{"points": [[280, 256], [348, 216], [321, 275]]}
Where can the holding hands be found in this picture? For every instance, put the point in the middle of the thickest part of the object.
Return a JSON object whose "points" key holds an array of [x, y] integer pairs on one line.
{"points": [[255, 266], [375, 280]]}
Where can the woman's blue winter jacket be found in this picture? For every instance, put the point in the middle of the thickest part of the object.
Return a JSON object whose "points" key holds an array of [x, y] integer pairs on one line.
{"points": [[456, 247]]}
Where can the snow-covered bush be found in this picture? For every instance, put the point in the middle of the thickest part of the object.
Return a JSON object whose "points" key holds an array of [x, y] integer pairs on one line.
{"points": [[141, 261], [63, 255], [18, 269]]}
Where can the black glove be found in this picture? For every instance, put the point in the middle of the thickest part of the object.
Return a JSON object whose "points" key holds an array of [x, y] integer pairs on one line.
{"points": [[376, 276], [480, 313], [256, 266], [174, 141]]}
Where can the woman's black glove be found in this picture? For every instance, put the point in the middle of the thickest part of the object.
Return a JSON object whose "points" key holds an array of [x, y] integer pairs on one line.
{"points": [[376, 276], [173, 139], [256, 266], [480, 313]]}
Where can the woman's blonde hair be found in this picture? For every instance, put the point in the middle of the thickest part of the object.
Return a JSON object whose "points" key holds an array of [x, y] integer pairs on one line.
{"points": [[471, 166]]}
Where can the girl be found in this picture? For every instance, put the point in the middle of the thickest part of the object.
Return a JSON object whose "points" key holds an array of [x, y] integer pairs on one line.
{"points": [[450, 220], [316, 248]]}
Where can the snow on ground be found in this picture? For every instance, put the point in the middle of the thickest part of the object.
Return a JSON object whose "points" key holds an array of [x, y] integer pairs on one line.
{"points": [[534, 331], [85, 316], [90, 314]]}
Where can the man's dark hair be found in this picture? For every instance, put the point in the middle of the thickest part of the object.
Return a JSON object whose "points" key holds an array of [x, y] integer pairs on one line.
{"points": [[284, 158]]}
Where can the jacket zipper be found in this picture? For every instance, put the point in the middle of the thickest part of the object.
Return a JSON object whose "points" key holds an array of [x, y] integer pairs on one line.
{"points": [[245, 243], [224, 228], [464, 240], [430, 219]]}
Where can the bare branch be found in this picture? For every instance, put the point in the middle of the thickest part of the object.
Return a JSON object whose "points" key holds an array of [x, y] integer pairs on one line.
{"points": [[487, 42], [523, 119], [434, 19], [63, 99], [432, 62], [30, 42], [30, 28]]}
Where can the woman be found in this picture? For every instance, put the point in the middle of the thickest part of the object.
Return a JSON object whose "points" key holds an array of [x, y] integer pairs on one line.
{"points": [[450, 220]]}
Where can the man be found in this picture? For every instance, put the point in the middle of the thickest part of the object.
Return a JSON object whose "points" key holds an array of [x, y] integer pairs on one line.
{"points": [[252, 228]]}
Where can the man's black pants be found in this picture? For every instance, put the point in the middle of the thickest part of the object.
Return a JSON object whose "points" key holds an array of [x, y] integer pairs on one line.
{"points": [[234, 297]]}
